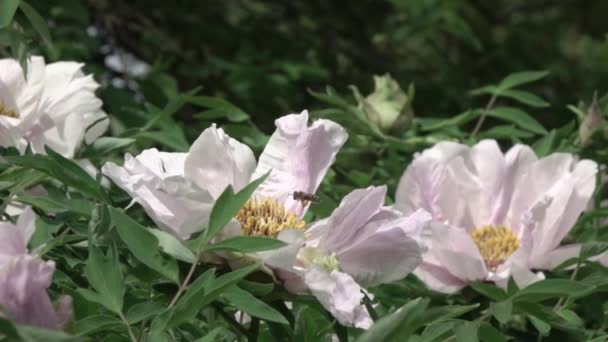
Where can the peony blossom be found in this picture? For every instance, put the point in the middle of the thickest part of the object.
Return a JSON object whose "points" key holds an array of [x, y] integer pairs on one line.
{"points": [[495, 215], [362, 243], [178, 190], [53, 105], [25, 278]]}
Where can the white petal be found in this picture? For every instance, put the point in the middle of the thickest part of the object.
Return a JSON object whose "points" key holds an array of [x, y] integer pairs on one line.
{"points": [[340, 295], [215, 161], [299, 157]]}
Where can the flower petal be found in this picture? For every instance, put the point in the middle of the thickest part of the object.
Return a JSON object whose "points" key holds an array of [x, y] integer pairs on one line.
{"points": [[215, 161], [340, 295], [455, 250], [299, 156], [355, 210], [438, 278]]}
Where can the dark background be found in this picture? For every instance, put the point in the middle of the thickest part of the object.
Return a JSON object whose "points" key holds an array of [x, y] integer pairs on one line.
{"points": [[264, 55]]}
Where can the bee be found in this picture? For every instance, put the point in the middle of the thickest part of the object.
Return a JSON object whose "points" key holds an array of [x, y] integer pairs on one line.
{"points": [[305, 198]]}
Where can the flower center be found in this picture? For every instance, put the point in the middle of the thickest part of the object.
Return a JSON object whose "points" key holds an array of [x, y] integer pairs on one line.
{"points": [[266, 217], [495, 244], [312, 256], [7, 111]]}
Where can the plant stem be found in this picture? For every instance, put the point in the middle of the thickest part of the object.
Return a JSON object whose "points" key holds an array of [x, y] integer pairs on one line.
{"points": [[184, 284], [129, 330], [482, 118], [254, 329], [230, 320]]}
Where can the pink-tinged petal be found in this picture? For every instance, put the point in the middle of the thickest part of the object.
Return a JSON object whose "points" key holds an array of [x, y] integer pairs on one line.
{"points": [[355, 210], [340, 295], [23, 296], [26, 224], [383, 257], [557, 256], [517, 265], [215, 161], [438, 278], [489, 169], [299, 157], [455, 250], [532, 186], [517, 162], [284, 257], [438, 185], [11, 242], [171, 201]]}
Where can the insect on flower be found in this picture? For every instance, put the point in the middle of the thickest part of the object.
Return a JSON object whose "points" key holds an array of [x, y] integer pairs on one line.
{"points": [[305, 198]]}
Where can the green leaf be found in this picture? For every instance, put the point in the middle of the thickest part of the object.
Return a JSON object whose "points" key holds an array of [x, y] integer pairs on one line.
{"points": [[52, 206], [246, 302], [551, 288], [105, 145], [544, 145], [466, 332], [143, 311], [171, 245], [525, 98], [520, 78], [246, 244], [518, 117], [95, 323], [502, 311], [225, 208], [7, 11], [571, 317], [488, 333], [39, 25], [490, 290], [33, 334], [397, 326], [104, 275], [64, 170], [211, 336], [143, 245], [196, 298], [541, 326], [454, 121]]}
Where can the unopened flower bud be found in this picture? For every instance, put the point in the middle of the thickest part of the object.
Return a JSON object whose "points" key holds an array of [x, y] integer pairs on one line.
{"points": [[388, 107], [592, 121]]}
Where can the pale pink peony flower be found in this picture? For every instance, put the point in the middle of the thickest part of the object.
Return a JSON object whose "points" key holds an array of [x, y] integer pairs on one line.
{"points": [[53, 106], [362, 243], [177, 190], [495, 215], [24, 279]]}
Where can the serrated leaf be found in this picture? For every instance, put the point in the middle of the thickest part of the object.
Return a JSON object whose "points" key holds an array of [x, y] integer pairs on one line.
{"points": [[104, 275], [518, 117], [143, 245], [520, 78]]}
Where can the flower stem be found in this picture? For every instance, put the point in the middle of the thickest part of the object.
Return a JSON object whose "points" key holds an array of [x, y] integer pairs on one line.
{"points": [[129, 330], [482, 118], [184, 284]]}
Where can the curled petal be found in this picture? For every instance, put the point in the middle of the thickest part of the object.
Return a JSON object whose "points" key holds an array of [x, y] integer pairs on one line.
{"points": [[23, 296], [299, 157], [340, 295], [215, 161]]}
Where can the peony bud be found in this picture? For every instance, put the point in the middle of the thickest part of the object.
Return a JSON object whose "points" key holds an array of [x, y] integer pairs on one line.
{"points": [[592, 121], [388, 107]]}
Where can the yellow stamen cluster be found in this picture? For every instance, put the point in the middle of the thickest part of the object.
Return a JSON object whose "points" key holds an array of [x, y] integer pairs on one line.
{"points": [[495, 244], [266, 217], [7, 111]]}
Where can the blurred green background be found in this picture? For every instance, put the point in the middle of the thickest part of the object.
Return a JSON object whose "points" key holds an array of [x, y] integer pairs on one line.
{"points": [[264, 55]]}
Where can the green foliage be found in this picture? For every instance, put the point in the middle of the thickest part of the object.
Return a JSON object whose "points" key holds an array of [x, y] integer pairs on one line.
{"points": [[242, 65]]}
